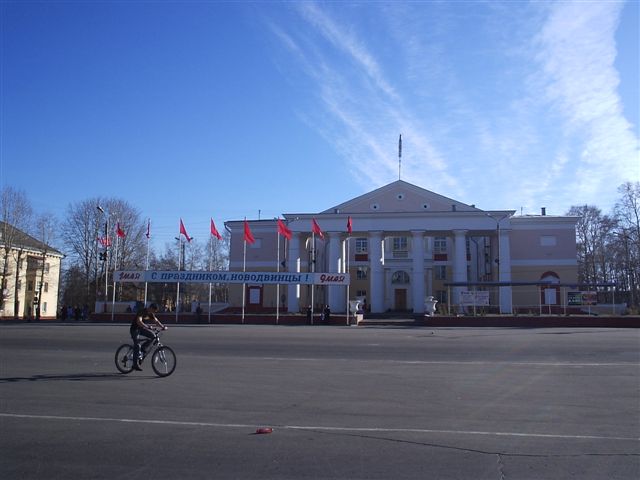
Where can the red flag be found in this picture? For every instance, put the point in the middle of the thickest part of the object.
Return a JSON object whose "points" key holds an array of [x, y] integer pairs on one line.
{"points": [[183, 231], [248, 236], [214, 231], [284, 230], [316, 228], [105, 241], [349, 226], [119, 231], [148, 234]]}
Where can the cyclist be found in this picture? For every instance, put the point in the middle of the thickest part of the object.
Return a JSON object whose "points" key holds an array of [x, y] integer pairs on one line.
{"points": [[140, 328]]}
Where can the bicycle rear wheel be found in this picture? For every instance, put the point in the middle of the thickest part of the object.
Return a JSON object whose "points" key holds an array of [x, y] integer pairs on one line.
{"points": [[163, 361], [125, 358]]}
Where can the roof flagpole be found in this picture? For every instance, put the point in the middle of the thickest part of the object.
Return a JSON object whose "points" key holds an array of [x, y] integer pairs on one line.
{"points": [[399, 156]]}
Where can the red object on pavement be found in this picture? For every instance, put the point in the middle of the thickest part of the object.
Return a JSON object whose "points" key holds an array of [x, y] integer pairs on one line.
{"points": [[263, 430]]}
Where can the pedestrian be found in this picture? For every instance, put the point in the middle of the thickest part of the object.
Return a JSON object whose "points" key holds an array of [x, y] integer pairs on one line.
{"points": [[327, 314]]}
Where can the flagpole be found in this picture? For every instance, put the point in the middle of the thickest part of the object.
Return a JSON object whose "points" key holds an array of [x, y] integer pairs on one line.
{"points": [[106, 267], [146, 263], [210, 267], [399, 155], [115, 265], [348, 284], [278, 285], [244, 269], [313, 269], [178, 286]]}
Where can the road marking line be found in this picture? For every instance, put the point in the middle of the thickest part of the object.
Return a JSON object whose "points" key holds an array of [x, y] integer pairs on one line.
{"points": [[449, 362], [320, 428]]}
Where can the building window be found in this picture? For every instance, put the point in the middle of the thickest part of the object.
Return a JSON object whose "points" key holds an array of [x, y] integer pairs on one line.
{"points": [[441, 272], [548, 241], [46, 286], [400, 247], [440, 245], [30, 286], [400, 277], [46, 267], [362, 245], [19, 285], [400, 244], [43, 306], [441, 296], [361, 273]]}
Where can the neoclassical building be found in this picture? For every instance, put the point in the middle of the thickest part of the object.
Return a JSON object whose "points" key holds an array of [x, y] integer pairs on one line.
{"points": [[406, 244]]}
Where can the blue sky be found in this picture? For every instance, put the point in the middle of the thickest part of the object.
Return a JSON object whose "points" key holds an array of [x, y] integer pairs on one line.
{"points": [[238, 109]]}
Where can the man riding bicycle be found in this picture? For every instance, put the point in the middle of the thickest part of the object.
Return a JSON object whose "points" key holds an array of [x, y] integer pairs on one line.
{"points": [[140, 328]]}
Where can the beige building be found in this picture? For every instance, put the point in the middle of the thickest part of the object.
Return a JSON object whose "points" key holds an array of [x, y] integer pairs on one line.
{"points": [[407, 244], [32, 276]]}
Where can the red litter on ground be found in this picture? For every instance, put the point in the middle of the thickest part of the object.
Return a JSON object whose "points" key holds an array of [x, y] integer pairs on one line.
{"points": [[263, 430]]}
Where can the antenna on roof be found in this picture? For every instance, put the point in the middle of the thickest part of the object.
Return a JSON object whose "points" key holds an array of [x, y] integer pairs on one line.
{"points": [[399, 156]]}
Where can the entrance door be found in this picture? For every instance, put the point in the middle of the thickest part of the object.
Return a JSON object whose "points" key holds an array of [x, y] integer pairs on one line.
{"points": [[400, 298]]}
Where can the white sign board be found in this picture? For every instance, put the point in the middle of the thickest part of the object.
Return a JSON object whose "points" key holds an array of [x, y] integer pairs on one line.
{"points": [[478, 298]]}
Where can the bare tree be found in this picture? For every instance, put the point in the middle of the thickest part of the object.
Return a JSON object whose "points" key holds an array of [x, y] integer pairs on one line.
{"points": [[94, 219], [589, 241], [16, 210], [46, 233], [627, 212]]}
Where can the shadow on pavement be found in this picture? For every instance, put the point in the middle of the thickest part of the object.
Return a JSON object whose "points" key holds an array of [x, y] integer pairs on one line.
{"points": [[74, 377]]}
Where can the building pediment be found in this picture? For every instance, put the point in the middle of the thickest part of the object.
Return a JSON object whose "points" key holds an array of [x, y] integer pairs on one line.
{"points": [[400, 197]]}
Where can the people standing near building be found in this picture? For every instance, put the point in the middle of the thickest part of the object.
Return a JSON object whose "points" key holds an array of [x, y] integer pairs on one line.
{"points": [[327, 314]]}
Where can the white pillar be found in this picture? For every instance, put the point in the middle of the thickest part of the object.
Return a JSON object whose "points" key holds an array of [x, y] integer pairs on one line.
{"points": [[504, 268], [376, 297], [417, 278], [293, 264], [335, 293], [459, 262]]}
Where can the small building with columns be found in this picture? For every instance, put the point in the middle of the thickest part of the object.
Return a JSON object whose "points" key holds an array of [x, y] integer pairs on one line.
{"points": [[406, 244]]}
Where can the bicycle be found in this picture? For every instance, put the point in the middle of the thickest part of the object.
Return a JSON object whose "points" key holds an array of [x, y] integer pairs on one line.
{"points": [[163, 358]]}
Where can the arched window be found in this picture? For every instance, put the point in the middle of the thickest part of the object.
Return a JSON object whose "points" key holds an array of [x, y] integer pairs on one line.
{"points": [[400, 277], [551, 277]]}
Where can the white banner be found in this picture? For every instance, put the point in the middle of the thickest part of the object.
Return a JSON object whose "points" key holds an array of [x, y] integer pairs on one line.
{"points": [[270, 278]]}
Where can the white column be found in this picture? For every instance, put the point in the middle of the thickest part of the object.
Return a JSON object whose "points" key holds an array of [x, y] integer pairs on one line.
{"points": [[293, 264], [376, 297], [429, 269], [459, 262], [504, 268], [417, 278], [335, 294]]}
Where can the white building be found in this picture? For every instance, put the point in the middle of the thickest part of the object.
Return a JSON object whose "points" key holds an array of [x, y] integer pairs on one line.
{"points": [[407, 243], [32, 275]]}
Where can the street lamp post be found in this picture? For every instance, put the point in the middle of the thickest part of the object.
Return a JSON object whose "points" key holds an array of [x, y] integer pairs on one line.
{"points": [[498, 259], [106, 254]]}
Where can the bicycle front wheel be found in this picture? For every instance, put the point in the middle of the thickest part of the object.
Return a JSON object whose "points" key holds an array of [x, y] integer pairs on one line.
{"points": [[163, 361], [125, 358]]}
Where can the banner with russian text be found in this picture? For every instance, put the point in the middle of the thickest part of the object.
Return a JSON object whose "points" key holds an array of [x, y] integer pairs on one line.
{"points": [[270, 278]]}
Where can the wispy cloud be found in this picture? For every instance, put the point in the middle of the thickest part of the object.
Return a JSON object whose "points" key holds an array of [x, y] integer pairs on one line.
{"points": [[356, 90], [523, 112], [577, 53]]}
